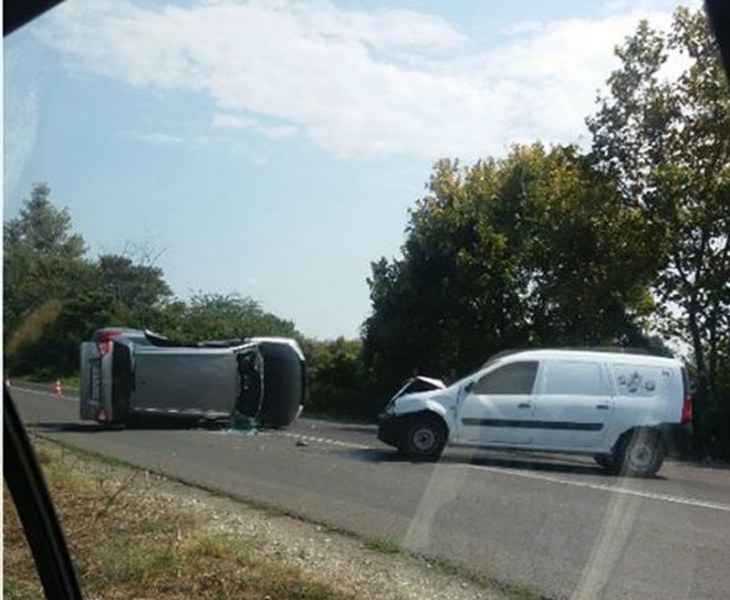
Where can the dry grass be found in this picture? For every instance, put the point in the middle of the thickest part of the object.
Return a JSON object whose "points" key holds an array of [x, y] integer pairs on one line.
{"points": [[127, 542]]}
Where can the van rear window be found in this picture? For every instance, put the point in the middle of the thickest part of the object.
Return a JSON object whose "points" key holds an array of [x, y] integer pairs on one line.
{"points": [[575, 378]]}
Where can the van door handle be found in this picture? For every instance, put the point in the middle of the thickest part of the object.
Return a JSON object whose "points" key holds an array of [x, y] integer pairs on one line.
{"points": [[524, 405], [603, 406]]}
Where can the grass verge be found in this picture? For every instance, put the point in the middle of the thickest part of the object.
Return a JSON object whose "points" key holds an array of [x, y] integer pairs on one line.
{"points": [[126, 543]]}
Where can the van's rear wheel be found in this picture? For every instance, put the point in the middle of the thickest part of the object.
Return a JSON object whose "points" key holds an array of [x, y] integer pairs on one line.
{"points": [[423, 437], [640, 453]]}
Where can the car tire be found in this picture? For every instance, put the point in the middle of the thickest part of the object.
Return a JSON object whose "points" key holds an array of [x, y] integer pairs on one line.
{"points": [[423, 437], [640, 453]]}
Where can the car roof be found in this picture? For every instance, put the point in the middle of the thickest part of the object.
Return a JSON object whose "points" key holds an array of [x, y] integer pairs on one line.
{"points": [[617, 356]]}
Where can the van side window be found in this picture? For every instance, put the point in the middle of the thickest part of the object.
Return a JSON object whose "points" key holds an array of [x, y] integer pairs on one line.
{"points": [[574, 378], [515, 378]]}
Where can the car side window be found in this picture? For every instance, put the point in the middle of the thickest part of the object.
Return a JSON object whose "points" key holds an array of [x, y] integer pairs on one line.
{"points": [[574, 378], [515, 378]]}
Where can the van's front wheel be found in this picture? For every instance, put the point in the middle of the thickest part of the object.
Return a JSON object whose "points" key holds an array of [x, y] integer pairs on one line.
{"points": [[640, 453], [423, 437]]}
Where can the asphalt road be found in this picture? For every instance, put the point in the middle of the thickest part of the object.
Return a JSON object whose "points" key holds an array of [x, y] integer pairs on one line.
{"points": [[556, 524]]}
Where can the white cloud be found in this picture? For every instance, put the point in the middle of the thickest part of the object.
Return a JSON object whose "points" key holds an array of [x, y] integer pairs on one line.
{"points": [[355, 83], [232, 121], [278, 132], [273, 132], [158, 138]]}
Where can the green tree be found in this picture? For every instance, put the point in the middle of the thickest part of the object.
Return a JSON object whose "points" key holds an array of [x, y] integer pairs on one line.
{"points": [[137, 294], [221, 316], [56, 352], [43, 260], [533, 249], [337, 383], [54, 296], [663, 130]]}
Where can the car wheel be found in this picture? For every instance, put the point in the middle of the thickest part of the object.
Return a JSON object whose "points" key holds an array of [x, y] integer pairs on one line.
{"points": [[423, 438], [641, 454]]}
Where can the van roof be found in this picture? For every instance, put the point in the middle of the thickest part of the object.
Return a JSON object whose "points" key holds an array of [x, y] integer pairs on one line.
{"points": [[586, 354]]}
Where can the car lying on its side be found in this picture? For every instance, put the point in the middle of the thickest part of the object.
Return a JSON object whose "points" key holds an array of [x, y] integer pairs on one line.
{"points": [[132, 373], [626, 410]]}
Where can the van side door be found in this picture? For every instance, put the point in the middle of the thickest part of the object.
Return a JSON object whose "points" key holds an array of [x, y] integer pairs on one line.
{"points": [[497, 405], [574, 404]]}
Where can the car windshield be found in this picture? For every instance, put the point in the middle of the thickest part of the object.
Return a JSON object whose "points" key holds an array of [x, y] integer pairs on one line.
{"points": [[258, 254]]}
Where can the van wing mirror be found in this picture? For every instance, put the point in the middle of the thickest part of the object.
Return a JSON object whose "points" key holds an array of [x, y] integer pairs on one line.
{"points": [[468, 387]]}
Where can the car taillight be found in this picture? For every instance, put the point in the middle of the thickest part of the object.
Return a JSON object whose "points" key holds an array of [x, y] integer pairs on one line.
{"points": [[103, 341], [687, 409], [687, 404]]}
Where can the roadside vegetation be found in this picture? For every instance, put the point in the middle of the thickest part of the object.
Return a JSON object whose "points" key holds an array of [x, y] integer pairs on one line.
{"points": [[623, 242], [128, 542], [133, 534]]}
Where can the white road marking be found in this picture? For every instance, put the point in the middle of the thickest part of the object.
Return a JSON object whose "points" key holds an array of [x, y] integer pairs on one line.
{"points": [[614, 489], [607, 488], [310, 438]]}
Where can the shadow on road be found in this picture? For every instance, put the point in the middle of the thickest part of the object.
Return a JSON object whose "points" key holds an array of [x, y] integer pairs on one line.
{"points": [[524, 462], [57, 427], [369, 429], [376, 455], [538, 464], [147, 424]]}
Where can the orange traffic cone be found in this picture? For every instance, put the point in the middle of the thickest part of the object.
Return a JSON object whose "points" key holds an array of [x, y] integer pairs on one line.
{"points": [[57, 388]]}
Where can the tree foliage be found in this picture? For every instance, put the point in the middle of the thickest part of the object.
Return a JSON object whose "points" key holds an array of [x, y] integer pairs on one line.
{"points": [[42, 259], [337, 377], [55, 296], [663, 132], [130, 287], [219, 316], [535, 249]]}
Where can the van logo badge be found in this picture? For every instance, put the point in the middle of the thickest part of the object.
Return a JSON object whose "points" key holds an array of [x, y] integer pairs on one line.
{"points": [[634, 381]]}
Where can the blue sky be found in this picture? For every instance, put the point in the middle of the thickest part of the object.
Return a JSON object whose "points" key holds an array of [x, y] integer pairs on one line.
{"points": [[273, 148]]}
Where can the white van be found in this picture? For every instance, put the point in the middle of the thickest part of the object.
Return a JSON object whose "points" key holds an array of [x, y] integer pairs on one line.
{"points": [[627, 410]]}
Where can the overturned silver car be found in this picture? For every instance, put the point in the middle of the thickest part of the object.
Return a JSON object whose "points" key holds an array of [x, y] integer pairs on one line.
{"points": [[131, 374]]}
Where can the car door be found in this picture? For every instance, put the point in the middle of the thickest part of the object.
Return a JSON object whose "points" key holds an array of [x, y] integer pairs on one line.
{"points": [[496, 407], [574, 404]]}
